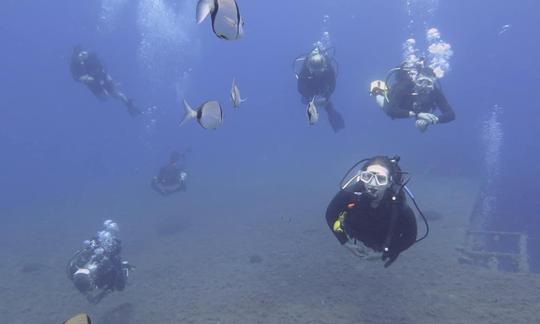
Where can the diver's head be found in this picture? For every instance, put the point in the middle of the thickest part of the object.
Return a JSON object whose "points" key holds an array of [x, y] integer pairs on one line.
{"points": [[82, 54], [378, 175], [316, 61], [424, 84], [82, 279]]}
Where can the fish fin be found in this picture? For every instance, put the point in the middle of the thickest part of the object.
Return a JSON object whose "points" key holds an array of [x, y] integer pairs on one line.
{"points": [[243, 100], [190, 113], [204, 8]]}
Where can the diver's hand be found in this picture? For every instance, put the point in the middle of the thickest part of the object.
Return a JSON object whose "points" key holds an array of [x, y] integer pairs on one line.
{"points": [[360, 250], [430, 118], [86, 79], [422, 125], [355, 249], [389, 257], [320, 100]]}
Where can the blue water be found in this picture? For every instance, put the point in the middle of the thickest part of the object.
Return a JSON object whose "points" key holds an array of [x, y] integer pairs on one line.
{"points": [[57, 138]]}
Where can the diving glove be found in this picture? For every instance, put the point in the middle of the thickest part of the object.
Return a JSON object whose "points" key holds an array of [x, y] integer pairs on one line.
{"points": [[422, 125], [430, 118], [86, 79]]}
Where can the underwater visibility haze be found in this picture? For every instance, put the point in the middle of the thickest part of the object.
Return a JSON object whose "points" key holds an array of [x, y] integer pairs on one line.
{"points": [[195, 161]]}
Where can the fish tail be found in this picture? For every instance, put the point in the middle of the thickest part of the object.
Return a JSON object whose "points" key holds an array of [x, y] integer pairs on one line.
{"points": [[190, 113]]}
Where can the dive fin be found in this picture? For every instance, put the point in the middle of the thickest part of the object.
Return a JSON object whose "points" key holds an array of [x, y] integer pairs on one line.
{"points": [[190, 113], [334, 117]]}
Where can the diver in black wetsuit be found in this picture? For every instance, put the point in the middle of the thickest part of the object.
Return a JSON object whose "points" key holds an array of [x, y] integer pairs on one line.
{"points": [[87, 68], [370, 214], [172, 177], [317, 80], [98, 269], [417, 94]]}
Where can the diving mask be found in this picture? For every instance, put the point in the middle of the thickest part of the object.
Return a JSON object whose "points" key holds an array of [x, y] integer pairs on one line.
{"points": [[368, 176], [424, 84]]}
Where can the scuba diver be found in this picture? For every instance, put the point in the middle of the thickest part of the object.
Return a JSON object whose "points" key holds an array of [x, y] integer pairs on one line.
{"points": [[317, 82], [88, 69], [370, 214], [171, 177], [97, 269], [416, 93]]}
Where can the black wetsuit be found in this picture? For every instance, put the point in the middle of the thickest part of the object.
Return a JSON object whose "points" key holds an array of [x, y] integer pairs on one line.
{"points": [[402, 99], [102, 86], [323, 83], [373, 226], [169, 180]]}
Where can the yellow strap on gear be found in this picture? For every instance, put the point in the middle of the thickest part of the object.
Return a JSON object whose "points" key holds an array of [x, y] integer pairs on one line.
{"points": [[338, 224]]}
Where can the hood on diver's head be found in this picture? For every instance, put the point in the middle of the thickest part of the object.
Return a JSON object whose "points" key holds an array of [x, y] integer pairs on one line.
{"points": [[316, 61]]}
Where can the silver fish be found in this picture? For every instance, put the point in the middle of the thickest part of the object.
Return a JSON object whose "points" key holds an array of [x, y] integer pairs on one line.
{"points": [[236, 99], [504, 29], [209, 114], [204, 8], [227, 23], [313, 114]]}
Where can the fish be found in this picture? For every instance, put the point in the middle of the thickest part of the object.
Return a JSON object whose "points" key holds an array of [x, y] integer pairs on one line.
{"points": [[313, 114], [227, 23], [204, 8], [236, 99], [504, 29], [209, 114]]}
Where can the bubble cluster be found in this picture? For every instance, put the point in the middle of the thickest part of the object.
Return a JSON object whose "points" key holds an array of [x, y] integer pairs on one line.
{"points": [[439, 53], [109, 12], [106, 238], [325, 41], [493, 139], [165, 36]]}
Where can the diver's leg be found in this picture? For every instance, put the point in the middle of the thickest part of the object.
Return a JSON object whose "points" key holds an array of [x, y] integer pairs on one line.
{"points": [[111, 90], [334, 117]]}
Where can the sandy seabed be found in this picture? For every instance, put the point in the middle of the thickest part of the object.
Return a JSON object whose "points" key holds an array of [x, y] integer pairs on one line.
{"points": [[267, 259]]}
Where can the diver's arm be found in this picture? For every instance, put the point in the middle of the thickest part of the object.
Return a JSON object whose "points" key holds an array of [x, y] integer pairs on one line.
{"points": [[399, 104], [77, 70], [303, 84], [331, 77], [447, 113], [157, 188], [335, 207], [395, 111]]}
